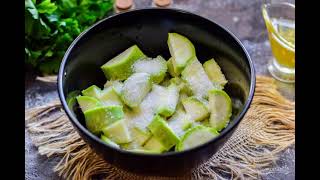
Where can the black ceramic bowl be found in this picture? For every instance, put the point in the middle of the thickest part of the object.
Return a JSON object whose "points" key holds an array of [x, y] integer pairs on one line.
{"points": [[148, 28]]}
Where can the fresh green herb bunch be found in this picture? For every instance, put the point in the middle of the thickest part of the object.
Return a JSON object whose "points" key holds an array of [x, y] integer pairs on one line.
{"points": [[51, 26]]}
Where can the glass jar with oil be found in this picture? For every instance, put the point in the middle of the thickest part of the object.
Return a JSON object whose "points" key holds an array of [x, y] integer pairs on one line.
{"points": [[280, 23]]}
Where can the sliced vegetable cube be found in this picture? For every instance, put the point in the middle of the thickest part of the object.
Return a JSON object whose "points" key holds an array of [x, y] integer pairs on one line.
{"points": [[171, 68], [156, 67], [135, 88], [221, 109], [197, 79], [71, 98], [93, 91], [154, 145], [169, 101], [182, 51], [196, 136], [179, 122], [183, 86], [119, 68], [109, 142], [141, 136], [116, 84], [109, 96], [100, 117], [87, 102], [195, 108], [118, 132], [160, 130], [214, 73]]}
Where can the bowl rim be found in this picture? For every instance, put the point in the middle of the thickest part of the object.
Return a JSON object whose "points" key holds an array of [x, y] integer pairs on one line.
{"points": [[93, 137]]}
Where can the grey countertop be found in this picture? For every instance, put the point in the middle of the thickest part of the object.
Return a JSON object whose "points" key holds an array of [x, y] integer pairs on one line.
{"points": [[242, 17]]}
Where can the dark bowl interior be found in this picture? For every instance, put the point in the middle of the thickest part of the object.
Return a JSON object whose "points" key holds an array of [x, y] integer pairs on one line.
{"points": [[148, 28]]}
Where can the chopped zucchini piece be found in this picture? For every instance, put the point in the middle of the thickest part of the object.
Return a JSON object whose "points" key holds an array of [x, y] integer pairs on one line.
{"points": [[195, 108], [109, 142], [166, 80], [160, 130], [118, 132], [182, 85], [71, 98], [196, 136], [144, 151], [206, 122], [117, 85], [154, 145], [179, 122], [133, 145], [197, 79], [171, 69], [169, 101], [135, 88], [182, 51], [100, 117], [156, 67], [109, 96], [214, 73], [87, 102], [93, 91], [221, 109], [119, 68], [141, 136]]}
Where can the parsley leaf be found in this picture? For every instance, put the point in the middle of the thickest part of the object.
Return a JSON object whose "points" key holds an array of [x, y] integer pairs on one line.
{"points": [[51, 26]]}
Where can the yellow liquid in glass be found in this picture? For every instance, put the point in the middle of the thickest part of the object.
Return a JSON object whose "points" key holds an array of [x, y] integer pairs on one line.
{"points": [[281, 34]]}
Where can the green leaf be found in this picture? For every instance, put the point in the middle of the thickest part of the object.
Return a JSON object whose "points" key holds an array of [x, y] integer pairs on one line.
{"points": [[85, 2], [30, 7], [71, 25], [46, 6], [68, 4], [50, 66], [34, 25], [53, 17], [49, 53], [51, 25], [32, 56]]}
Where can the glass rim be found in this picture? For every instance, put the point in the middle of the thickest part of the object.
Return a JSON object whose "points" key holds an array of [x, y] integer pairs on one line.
{"points": [[278, 4], [267, 18]]}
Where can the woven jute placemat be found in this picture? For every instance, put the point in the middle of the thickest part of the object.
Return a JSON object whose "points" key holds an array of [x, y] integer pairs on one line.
{"points": [[267, 129]]}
